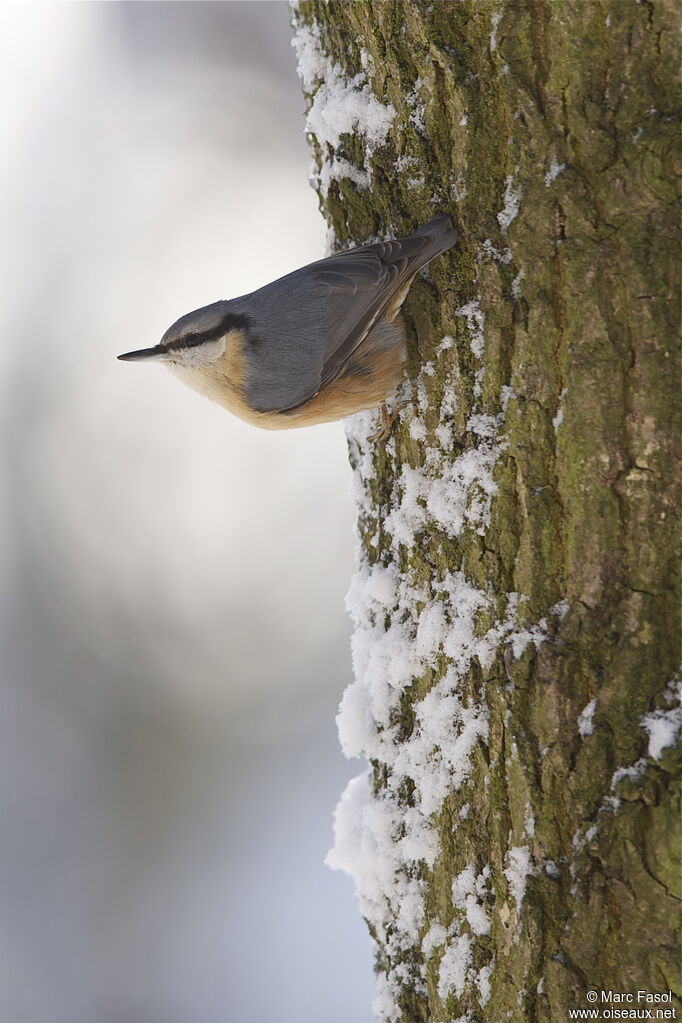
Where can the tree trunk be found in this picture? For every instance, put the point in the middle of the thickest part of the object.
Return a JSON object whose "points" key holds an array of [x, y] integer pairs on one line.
{"points": [[514, 843]]}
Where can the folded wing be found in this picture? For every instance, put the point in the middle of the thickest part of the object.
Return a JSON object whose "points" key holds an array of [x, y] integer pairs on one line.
{"points": [[310, 322]]}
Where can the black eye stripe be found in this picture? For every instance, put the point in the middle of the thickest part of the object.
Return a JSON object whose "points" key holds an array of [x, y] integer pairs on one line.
{"points": [[193, 339]]}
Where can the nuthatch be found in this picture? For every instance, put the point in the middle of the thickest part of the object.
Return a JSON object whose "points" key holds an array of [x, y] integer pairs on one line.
{"points": [[317, 345]]}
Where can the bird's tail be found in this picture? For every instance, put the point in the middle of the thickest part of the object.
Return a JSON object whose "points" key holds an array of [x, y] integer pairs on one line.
{"points": [[439, 234]]}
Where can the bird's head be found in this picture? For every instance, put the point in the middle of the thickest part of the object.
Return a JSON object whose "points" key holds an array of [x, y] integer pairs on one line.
{"points": [[195, 341]]}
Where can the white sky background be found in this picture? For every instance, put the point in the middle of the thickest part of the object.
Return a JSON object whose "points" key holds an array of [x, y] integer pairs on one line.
{"points": [[172, 635]]}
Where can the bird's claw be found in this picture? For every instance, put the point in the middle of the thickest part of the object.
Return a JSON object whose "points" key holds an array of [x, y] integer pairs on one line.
{"points": [[386, 420]]}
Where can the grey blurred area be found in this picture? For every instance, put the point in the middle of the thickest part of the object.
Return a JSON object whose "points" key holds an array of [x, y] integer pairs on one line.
{"points": [[173, 642]]}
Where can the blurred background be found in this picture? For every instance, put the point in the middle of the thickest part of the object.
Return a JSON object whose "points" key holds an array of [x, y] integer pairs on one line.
{"points": [[173, 641]]}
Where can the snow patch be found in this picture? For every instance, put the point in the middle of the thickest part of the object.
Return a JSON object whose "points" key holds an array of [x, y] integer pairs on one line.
{"points": [[512, 201], [454, 967], [560, 609], [416, 106], [534, 634], [663, 726], [488, 251], [461, 496], [417, 429], [483, 984], [469, 891], [554, 171], [363, 847], [559, 417], [519, 866], [585, 722], [475, 318], [495, 19], [338, 168], [414, 184], [516, 285], [633, 773], [404, 163], [435, 937], [311, 62], [341, 105]]}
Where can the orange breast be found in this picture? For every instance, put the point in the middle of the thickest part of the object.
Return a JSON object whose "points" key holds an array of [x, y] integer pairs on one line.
{"points": [[370, 377]]}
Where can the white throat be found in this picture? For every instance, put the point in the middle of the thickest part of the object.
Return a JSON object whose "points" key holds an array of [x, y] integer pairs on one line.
{"points": [[199, 357]]}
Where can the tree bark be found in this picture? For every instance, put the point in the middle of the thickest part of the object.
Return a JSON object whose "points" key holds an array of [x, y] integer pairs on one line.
{"points": [[515, 842]]}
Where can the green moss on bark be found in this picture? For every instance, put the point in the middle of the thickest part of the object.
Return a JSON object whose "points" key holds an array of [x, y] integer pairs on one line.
{"points": [[574, 107]]}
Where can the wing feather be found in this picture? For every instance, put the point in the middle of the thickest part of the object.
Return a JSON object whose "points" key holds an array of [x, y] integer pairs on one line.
{"points": [[305, 326]]}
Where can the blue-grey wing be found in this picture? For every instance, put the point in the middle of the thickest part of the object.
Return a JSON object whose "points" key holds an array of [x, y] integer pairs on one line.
{"points": [[304, 327]]}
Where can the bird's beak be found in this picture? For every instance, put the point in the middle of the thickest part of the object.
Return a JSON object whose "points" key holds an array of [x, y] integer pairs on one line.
{"points": [[158, 352]]}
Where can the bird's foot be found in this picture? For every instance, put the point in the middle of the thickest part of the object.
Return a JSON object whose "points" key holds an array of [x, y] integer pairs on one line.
{"points": [[386, 420]]}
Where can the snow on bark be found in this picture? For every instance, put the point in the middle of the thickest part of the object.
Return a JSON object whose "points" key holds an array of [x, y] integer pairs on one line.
{"points": [[341, 105], [405, 629], [512, 639]]}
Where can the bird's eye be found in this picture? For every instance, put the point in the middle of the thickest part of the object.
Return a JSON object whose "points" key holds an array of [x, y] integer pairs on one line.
{"points": [[192, 340]]}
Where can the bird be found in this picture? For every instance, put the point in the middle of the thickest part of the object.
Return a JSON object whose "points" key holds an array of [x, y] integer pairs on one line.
{"points": [[320, 344]]}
